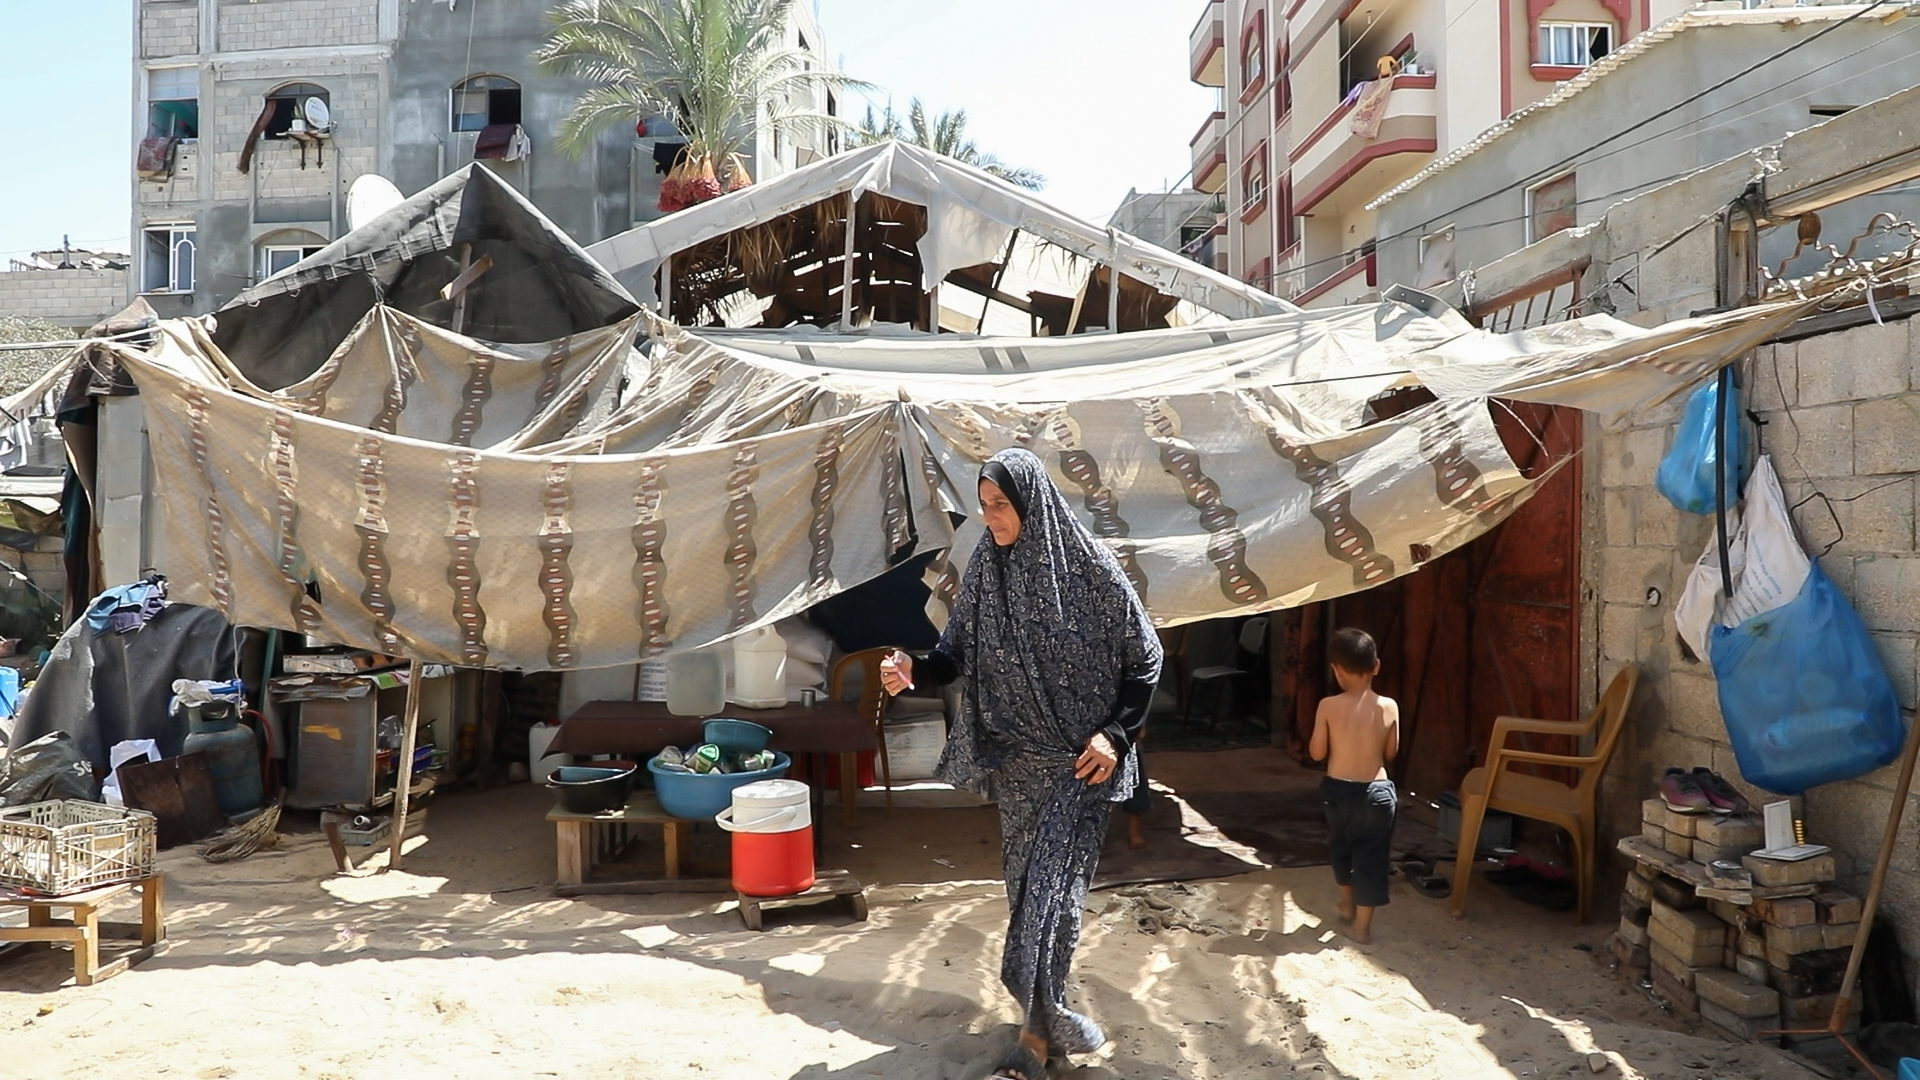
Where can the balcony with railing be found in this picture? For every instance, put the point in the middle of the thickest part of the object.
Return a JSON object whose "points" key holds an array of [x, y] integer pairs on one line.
{"points": [[1209, 148], [1207, 45], [1367, 145]]}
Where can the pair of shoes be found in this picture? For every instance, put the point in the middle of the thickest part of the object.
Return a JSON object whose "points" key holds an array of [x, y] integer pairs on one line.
{"points": [[1680, 790], [1724, 797], [1701, 791], [1419, 874]]}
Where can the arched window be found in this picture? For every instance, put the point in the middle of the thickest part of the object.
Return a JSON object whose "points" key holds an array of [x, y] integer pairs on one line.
{"points": [[280, 250], [288, 104], [482, 101]]}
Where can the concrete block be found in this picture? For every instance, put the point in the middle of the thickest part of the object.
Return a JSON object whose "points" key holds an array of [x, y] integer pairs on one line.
{"points": [[1807, 1012], [1680, 823], [1794, 940], [1883, 591], [1744, 1028], [1653, 811], [1704, 853], [1640, 888], [1695, 937], [1621, 509], [1730, 831], [1693, 708], [1637, 912], [1751, 943], [1809, 973], [1653, 834], [1674, 989], [1788, 913], [1753, 967], [1642, 870], [1631, 957], [1839, 935], [1736, 993], [1824, 447], [1773, 872], [1882, 436], [1627, 573], [1735, 916], [1634, 934], [1838, 906], [1677, 844], [1620, 632], [1674, 893], [1854, 365]]}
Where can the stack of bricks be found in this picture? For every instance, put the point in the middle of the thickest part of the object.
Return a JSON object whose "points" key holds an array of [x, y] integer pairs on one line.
{"points": [[1769, 965]]}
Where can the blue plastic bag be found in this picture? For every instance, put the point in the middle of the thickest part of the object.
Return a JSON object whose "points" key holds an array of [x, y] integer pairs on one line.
{"points": [[1686, 475], [1804, 695]]}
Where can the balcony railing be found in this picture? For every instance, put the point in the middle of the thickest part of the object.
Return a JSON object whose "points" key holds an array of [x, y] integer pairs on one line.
{"points": [[1207, 45], [1209, 148], [1336, 166]]}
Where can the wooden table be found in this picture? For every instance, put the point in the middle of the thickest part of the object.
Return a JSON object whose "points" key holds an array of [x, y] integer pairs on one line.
{"points": [[640, 729], [583, 840], [84, 929]]}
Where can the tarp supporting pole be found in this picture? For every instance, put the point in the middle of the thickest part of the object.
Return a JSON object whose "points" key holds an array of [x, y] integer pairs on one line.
{"points": [[846, 264], [404, 782]]}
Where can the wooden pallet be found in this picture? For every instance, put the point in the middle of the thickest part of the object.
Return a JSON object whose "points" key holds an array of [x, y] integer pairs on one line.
{"points": [[1695, 875], [827, 885]]}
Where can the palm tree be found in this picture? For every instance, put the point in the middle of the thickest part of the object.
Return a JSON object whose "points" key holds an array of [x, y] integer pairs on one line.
{"points": [[707, 66], [946, 134]]}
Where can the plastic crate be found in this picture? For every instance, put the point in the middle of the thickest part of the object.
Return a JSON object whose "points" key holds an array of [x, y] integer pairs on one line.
{"points": [[69, 846]]}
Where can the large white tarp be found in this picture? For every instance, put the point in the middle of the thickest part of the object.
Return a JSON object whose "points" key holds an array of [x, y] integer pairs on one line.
{"points": [[572, 504]]}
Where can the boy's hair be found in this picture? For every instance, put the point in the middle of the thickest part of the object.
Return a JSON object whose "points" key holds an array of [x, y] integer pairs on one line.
{"points": [[1353, 651]]}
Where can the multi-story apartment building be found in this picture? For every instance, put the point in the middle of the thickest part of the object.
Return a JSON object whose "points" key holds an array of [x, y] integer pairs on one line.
{"points": [[241, 176], [1309, 127], [1194, 223]]}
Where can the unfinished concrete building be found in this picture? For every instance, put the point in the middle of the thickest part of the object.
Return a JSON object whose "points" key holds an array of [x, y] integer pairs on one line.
{"points": [[240, 176]]}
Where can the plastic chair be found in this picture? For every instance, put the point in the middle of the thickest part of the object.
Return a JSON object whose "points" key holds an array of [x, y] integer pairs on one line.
{"points": [[1222, 678], [873, 701], [1494, 786]]}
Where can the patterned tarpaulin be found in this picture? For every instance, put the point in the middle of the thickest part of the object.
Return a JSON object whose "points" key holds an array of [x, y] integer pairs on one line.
{"points": [[577, 504]]}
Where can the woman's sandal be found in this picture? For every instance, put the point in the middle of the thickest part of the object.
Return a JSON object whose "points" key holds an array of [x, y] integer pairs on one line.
{"points": [[1021, 1063]]}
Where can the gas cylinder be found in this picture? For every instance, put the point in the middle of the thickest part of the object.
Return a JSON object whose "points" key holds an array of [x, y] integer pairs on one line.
{"points": [[232, 756]]}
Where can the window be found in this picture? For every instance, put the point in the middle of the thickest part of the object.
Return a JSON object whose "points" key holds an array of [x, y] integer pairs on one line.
{"points": [[166, 264], [173, 103], [1551, 207], [1253, 183], [484, 100], [833, 133], [1573, 44], [1253, 53], [277, 257], [287, 104]]}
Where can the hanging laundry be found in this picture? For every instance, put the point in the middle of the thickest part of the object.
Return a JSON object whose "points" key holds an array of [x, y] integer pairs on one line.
{"points": [[155, 158], [493, 141], [520, 147]]}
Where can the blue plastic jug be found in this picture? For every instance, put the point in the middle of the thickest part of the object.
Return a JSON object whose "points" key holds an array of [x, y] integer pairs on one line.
{"points": [[1910, 1069]]}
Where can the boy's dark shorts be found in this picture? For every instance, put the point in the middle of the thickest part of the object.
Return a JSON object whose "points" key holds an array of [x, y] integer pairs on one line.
{"points": [[1360, 835]]}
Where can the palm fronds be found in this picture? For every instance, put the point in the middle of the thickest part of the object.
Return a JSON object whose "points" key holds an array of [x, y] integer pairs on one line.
{"points": [[944, 134]]}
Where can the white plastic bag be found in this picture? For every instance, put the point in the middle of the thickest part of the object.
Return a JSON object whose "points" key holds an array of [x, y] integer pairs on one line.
{"points": [[1769, 567]]}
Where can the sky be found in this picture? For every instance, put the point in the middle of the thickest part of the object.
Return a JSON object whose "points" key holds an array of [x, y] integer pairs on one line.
{"points": [[1092, 93]]}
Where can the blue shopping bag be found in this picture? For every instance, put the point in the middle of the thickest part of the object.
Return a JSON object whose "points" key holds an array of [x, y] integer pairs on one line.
{"points": [[1686, 476]]}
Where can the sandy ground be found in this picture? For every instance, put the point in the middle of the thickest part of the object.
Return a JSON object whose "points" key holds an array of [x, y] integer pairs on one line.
{"points": [[464, 964]]}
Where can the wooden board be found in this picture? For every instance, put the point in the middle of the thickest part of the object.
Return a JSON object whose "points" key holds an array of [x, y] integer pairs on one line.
{"points": [[827, 885], [1695, 875], [179, 792]]}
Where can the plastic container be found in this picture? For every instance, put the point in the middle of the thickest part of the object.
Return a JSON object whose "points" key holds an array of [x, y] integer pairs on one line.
{"points": [[914, 745], [539, 737], [700, 796], [592, 789], [772, 826], [736, 736], [760, 669], [233, 757], [696, 685], [1910, 1069]]}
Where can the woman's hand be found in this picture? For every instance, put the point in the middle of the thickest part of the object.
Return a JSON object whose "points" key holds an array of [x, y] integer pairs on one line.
{"points": [[896, 673], [1097, 761]]}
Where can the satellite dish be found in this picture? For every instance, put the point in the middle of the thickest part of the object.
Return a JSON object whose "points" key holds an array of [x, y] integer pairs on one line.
{"points": [[369, 197], [318, 116]]}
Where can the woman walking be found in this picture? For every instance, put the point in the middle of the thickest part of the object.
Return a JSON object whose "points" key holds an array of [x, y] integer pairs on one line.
{"points": [[1057, 662]]}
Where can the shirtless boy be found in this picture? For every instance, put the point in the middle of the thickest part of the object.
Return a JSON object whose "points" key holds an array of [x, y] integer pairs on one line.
{"points": [[1357, 733]]}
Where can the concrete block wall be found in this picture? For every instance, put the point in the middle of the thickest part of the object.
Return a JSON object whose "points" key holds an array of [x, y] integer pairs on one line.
{"points": [[247, 25], [182, 186], [76, 298], [1839, 412], [169, 28]]}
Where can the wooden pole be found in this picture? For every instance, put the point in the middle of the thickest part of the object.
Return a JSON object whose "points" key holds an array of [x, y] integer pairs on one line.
{"points": [[846, 264], [405, 779], [1901, 789], [460, 301]]}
